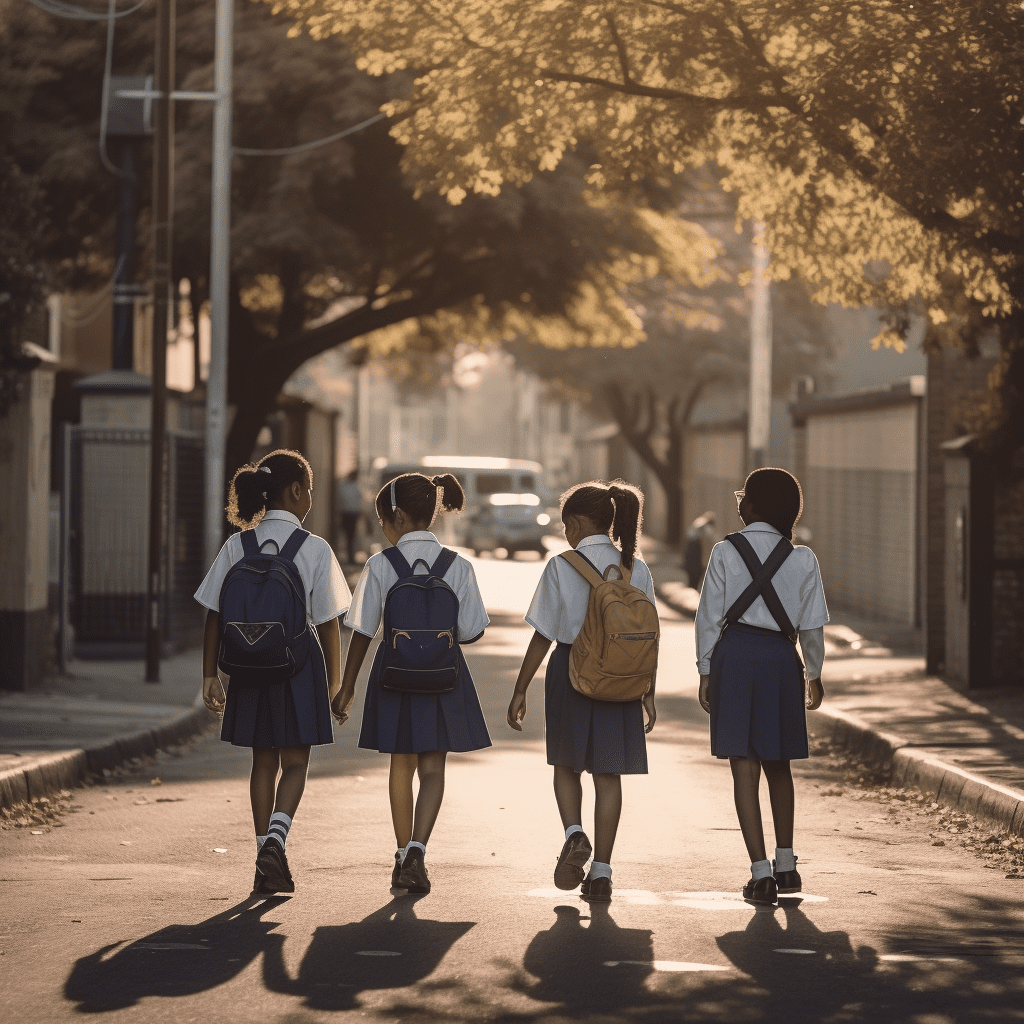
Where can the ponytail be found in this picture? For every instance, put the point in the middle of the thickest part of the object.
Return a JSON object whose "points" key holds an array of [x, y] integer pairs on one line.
{"points": [[420, 497], [257, 486], [615, 508]]}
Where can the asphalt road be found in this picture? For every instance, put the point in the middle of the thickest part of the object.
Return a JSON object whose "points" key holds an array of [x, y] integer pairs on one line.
{"points": [[134, 906]]}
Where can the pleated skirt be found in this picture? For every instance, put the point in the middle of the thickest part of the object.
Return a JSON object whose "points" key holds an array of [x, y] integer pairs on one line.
{"points": [[293, 713], [598, 736], [756, 693], [412, 723]]}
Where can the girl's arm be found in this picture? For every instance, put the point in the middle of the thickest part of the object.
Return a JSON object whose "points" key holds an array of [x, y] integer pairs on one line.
{"points": [[213, 688], [342, 701], [538, 648]]}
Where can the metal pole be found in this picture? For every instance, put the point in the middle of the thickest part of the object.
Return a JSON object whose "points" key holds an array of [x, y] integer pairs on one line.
{"points": [[163, 162], [220, 271], [760, 403]]}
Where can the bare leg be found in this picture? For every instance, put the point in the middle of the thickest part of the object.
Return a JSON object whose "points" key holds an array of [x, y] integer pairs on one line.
{"points": [[262, 779], [403, 768], [607, 809], [428, 799], [746, 779], [294, 765], [780, 792], [568, 795]]}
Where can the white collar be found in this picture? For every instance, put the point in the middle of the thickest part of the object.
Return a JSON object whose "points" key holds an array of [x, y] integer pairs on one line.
{"points": [[280, 515], [417, 536], [760, 527], [593, 539]]}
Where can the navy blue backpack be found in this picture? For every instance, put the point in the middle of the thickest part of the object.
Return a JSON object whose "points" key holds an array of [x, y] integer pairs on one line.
{"points": [[264, 636], [420, 648]]}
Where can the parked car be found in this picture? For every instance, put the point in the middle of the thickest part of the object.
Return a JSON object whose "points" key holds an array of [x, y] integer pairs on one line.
{"points": [[515, 522]]}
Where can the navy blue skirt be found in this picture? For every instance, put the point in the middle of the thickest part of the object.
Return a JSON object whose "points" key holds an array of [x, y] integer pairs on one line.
{"points": [[598, 736], [757, 696], [294, 713], [413, 723]]}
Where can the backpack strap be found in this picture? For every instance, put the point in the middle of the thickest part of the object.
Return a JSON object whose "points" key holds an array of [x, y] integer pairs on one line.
{"points": [[443, 562], [398, 561], [250, 545], [761, 583], [293, 543], [584, 567]]}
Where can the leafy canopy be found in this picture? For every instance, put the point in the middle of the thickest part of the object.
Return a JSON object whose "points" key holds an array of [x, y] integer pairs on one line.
{"points": [[880, 140]]}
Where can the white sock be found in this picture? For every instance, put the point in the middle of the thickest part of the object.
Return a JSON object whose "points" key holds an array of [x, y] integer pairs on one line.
{"points": [[400, 855], [761, 869], [419, 846], [598, 869], [785, 859], [280, 823], [573, 828], [260, 840]]}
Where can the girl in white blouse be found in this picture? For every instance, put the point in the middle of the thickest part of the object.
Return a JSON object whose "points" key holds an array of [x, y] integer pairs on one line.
{"points": [[417, 730], [751, 680]]}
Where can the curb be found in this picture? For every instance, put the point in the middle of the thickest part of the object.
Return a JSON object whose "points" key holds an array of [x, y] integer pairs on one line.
{"points": [[68, 768], [913, 768]]}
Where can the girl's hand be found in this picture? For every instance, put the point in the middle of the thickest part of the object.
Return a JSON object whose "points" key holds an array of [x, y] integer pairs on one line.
{"points": [[702, 693], [342, 704], [652, 711], [517, 711], [213, 694], [815, 694]]}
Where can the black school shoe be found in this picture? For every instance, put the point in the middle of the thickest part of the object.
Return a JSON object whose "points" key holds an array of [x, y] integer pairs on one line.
{"points": [[788, 881], [272, 864], [396, 872], [763, 890], [413, 875], [575, 853], [597, 890]]}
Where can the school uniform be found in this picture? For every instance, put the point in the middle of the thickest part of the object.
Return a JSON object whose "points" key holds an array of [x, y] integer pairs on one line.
{"points": [[598, 736], [297, 711], [412, 723], [756, 687]]}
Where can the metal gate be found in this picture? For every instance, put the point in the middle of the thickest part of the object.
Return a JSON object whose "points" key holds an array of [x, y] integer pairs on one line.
{"points": [[104, 541]]}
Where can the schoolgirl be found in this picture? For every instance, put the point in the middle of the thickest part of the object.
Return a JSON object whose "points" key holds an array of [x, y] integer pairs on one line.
{"points": [[751, 679], [604, 738], [280, 722], [417, 730]]}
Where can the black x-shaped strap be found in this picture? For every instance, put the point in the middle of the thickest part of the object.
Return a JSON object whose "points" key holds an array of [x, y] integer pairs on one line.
{"points": [[761, 583]]}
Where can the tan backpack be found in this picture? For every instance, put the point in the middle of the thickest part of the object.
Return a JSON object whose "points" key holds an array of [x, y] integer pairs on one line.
{"points": [[616, 653]]}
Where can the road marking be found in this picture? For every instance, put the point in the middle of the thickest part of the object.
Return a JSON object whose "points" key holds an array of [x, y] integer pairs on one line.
{"points": [[671, 966], [377, 952]]}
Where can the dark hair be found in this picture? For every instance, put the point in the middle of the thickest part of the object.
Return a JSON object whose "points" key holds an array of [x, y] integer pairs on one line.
{"points": [[259, 485], [617, 507], [420, 497], [776, 497]]}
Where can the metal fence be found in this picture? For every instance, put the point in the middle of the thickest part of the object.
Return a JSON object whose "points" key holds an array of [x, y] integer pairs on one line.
{"points": [[104, 540]]}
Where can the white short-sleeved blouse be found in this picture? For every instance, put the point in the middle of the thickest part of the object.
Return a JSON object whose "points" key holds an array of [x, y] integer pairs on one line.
{"points": [[559, 605], [327, 593], [798, 584], [367, 610]]}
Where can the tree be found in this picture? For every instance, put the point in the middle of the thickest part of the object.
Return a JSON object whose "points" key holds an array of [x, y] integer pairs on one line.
{"points": [[334, 244], [879, 140]]}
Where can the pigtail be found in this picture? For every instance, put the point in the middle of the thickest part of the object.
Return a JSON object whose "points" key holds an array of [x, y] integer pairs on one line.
{"points": [[628, 518], [247, 497], [453, 498]]}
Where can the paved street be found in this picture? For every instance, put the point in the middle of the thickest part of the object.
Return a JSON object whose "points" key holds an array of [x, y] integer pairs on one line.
{"points": [[135, 905]]}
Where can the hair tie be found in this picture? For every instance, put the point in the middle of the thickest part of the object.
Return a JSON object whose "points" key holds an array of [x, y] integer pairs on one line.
{"points": [[264, 469], [394, 501]]}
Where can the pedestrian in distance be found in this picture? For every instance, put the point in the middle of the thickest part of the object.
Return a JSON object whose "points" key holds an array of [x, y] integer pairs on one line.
{"points": [[420, 699], [596, 603], [762, 596], [350, 511], [275, 595]]}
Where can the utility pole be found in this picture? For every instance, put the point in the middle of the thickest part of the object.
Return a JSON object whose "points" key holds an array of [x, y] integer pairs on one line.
{"points": [[220, 273], [163, 162], [759, 416]]}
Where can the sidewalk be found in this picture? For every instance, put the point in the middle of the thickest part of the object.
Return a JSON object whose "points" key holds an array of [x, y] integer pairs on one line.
{"points": [[964, 749], [98, 715]]}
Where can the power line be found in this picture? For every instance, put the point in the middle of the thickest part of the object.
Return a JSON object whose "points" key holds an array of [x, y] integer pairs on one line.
{"points": [[307, 146], [61, 9]]}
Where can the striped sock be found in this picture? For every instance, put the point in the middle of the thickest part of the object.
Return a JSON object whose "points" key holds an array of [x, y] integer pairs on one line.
{"points": [[280, 823]]}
